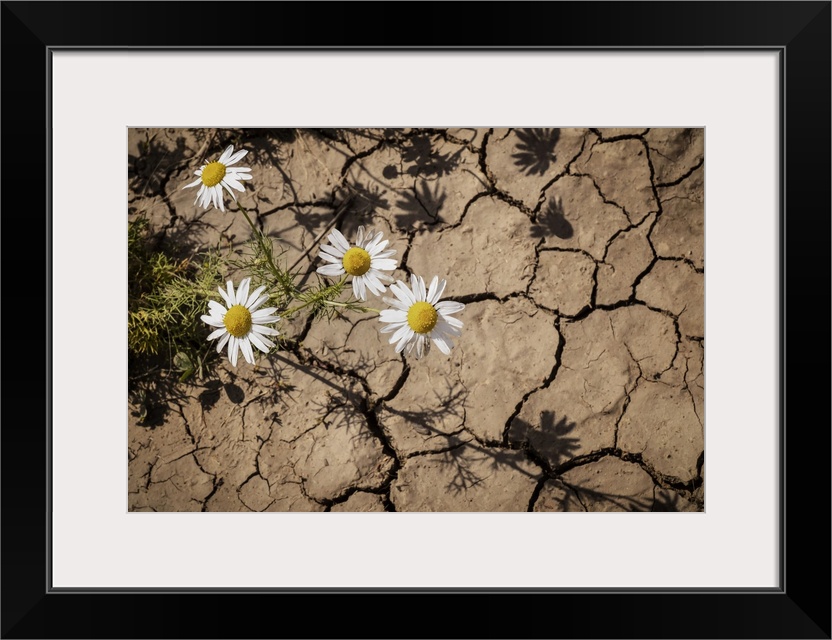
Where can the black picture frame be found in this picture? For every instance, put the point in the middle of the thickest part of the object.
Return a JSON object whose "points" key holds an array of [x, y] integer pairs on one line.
{"points": [[800, 608]]}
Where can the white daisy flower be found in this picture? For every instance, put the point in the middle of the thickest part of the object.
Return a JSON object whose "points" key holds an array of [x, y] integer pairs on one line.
{"points": [[364, 261], [215, 175], [419, 318], [241, 322]]}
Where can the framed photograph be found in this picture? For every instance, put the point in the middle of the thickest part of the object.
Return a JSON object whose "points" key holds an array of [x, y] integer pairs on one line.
{"points": [[422, 321]]}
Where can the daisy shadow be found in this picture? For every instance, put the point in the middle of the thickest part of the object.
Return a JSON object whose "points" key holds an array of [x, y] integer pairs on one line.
{"points": [[271, 148], [341, 136], [421, 153], [368, 198], [472, 464], [157, 156], [667, 501], [552, 222], [440, 417], [601, 501], [343, 410], [420, 205], [210, 395], [153, 395], [310, 220], [550, 437], [536, 150]]}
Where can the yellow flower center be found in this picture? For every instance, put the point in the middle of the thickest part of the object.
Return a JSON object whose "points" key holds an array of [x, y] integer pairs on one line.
{"points": [[237, 320], [356, 261], [422, 317], [213, 174]]}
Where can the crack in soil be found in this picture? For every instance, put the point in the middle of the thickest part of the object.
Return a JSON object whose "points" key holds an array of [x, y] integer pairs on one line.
{"points": [[370, 408], [544, 385], [684, 176]]}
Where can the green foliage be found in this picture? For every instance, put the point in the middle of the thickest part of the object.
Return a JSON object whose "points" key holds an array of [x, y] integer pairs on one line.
{"points": [[166, 298], [263, 263], [322, 300]]}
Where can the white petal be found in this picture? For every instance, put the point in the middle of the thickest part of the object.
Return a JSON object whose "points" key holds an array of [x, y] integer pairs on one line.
{"points": [[233, 350], [230, 192], [216, 334], [373, 242], [264, 331], [449, 306], [223, 342], [420, 347], [392, 315], [359, 240], [231, 295], [407, 337], [217, 310], [262, 313], [204, 197], [402, 331], [231, 182], [228, 300], [386, 264], [331, 270], [450, 320], [390, 328], [214, 322], [331, 259], [261, 342], [379, 248], [403, 293], [256, 304], [446, 329], [236, 157], [440, 289], [226, 154], [358, 288], [385, 254], [417, 285], [395, 302], [253, 296], [333, 251], [193, 184], [443, 343], [372, 283], [265, 319], [245, 345], [432, 289], [338, 240], [242, 291]]}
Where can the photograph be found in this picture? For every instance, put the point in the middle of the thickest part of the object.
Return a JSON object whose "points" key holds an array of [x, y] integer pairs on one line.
{"points": [[449, 267], [416, 319]]}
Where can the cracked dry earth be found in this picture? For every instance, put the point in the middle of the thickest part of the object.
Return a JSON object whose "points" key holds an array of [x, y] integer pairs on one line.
{"points": [[577, 384]]}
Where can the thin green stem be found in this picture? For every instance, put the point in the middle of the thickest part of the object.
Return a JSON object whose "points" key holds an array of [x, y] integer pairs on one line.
{"points": [[266, 250], [250, 223], [289, 312], [332, 303]]}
